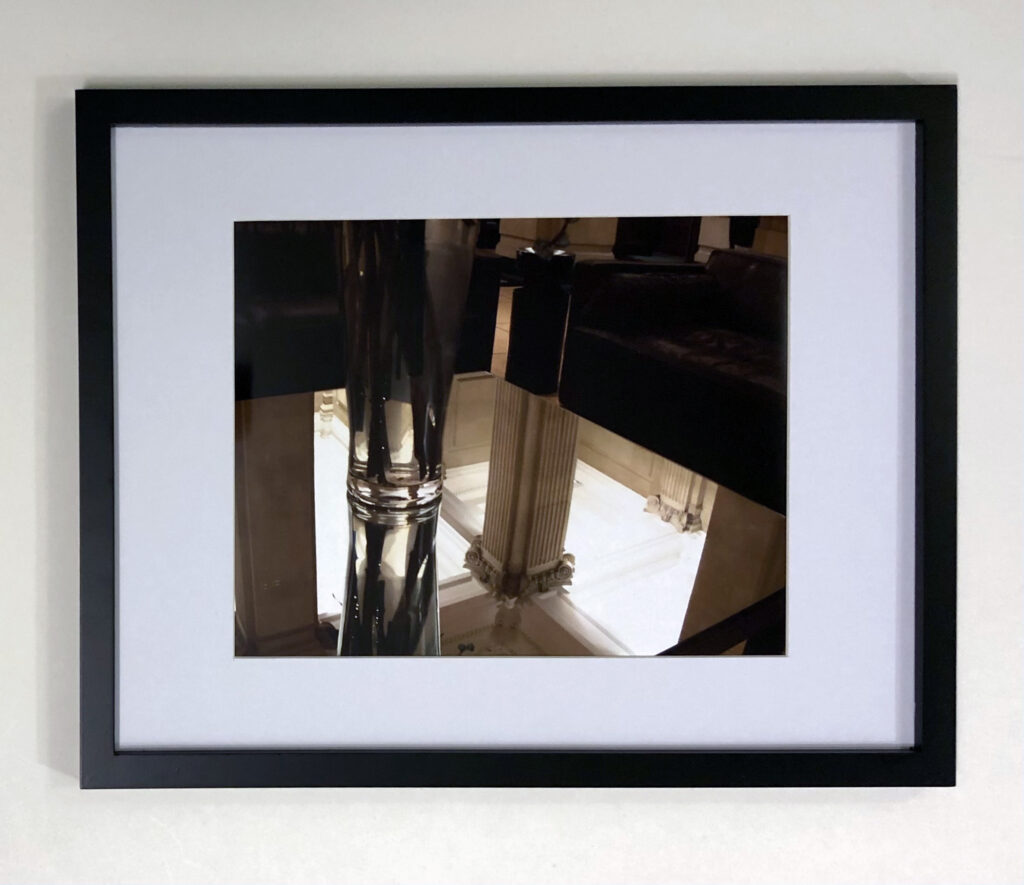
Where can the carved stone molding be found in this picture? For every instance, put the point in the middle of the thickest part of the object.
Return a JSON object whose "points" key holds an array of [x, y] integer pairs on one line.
{"points": [[681, 519], [558, 577], [511, 588], [326, 411], [681, 497], [480, 568]]}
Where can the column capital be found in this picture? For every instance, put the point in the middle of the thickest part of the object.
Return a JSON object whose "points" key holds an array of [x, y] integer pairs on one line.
{"points": [[511, 588]]}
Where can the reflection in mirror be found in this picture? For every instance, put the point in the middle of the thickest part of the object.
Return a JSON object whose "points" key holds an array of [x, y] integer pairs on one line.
{"points": [[632, 555], [612, 447]]}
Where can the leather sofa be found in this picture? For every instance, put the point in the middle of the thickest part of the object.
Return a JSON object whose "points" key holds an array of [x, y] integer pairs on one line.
{"points": [[688, 362]]}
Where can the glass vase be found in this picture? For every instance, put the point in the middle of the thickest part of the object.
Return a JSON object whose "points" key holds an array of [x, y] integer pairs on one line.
{"points": [[405, 285]]}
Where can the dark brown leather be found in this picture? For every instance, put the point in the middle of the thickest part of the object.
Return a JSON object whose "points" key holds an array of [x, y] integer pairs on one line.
{"points": [[692, 366], [755, 291]]}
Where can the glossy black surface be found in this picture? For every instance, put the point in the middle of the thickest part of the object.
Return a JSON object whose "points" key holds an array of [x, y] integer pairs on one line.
{"points": [[931, 761]]}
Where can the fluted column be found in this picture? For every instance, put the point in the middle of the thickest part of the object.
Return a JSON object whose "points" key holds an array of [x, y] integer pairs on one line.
{"points": [[529, 493], [683, 498]]}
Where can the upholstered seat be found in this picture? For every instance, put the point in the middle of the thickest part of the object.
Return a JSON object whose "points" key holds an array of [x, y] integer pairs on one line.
{"points": [[690, 365]]}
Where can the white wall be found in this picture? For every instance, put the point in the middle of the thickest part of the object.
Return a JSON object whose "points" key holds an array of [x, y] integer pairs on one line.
{"points": [[49, 831]]}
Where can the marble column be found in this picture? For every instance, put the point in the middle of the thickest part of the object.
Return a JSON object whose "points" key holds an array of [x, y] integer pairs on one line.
{"points": [[325, 401], [529, 493], [683, 498]]}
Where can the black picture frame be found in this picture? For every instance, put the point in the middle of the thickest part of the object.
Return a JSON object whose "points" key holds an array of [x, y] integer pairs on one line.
{"points": [[929, 762]]}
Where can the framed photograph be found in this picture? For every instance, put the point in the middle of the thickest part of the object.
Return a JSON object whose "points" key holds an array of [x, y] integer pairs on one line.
{"points": [[518, 437]]}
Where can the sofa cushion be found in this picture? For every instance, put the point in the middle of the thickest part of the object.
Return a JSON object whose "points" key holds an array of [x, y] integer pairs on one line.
{"points": [[742, 358]]}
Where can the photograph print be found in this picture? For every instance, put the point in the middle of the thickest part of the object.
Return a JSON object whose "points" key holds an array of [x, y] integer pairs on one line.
{"points": [[516, 436]]}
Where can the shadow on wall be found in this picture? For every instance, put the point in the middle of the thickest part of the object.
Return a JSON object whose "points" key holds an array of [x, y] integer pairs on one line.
{"points": [[55, 430]]}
